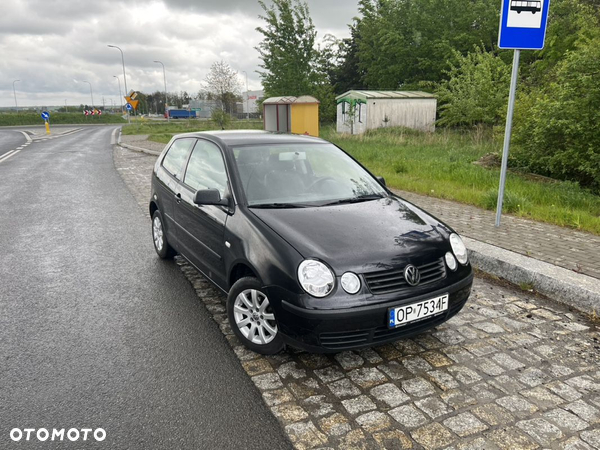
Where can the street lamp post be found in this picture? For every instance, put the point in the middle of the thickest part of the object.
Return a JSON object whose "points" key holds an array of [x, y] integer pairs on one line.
{"points": [[124, 76], [15, 92], [247, 98], [91, 93], [120, 94], [165, 79]]}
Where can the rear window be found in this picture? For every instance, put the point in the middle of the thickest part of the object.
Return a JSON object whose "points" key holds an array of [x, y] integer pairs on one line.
{"points": [[177, 156]]}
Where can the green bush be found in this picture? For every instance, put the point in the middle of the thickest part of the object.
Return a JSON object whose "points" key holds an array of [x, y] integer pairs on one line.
{"points": [[476, 91], [556, 127], [31, 118]]}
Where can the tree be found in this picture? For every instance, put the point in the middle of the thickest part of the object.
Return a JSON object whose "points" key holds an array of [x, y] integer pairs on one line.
{"points": [[223, 84], [292, 64]]}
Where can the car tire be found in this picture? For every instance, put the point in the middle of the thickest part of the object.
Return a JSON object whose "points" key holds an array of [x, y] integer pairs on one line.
{"points": [[252, 318], [159, 237]]}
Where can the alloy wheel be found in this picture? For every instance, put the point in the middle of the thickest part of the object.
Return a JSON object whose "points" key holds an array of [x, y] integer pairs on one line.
{"points": [[254, 317], [157, 233]]}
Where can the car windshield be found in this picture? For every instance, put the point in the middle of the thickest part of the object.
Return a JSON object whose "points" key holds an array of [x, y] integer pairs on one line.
{"points": [[301, 175]]}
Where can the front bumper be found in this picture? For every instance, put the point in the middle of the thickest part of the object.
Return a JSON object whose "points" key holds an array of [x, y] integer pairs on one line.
{"points": [[336, 330]]}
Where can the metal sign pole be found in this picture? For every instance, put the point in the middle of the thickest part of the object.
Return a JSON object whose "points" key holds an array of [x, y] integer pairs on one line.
{"points": [[507, 134]]}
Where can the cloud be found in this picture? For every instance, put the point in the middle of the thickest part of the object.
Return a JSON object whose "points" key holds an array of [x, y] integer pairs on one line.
{"points": [[47, 44]]}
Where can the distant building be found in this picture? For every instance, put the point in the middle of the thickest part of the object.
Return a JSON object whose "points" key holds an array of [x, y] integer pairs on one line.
{"points": [[203, 108], [359, 111], [253, 98]]}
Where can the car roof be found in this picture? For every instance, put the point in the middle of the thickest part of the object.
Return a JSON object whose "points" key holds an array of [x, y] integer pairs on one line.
{"points": [[233, 138]]}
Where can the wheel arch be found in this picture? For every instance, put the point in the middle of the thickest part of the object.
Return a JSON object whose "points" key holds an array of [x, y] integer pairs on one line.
{"points": [[241, 269]]}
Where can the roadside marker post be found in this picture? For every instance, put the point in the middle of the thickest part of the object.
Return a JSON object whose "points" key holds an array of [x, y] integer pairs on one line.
{"points": [[523, 26], [46, 116]]}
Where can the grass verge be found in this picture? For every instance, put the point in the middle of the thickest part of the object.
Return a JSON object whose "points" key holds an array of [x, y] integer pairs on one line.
{"points": [[29, 118]]}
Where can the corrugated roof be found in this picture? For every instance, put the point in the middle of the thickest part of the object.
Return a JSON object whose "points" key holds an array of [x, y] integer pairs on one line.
{"points": [[368, 95], [289, 100]]}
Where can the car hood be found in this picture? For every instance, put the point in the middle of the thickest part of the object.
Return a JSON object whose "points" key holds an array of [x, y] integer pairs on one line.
{"points": [[362, 237]]}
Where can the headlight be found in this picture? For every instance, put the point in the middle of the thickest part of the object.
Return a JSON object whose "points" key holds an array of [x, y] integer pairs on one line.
{"points": [[315, 278], [451, 261], [459, 249], [350, 283]]}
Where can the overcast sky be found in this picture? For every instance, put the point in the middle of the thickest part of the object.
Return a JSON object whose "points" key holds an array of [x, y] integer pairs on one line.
{"points": [[48, 44]]}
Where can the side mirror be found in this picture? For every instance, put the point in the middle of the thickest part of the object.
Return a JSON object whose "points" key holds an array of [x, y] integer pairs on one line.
{"points": [[209, 197], [382, 181]]}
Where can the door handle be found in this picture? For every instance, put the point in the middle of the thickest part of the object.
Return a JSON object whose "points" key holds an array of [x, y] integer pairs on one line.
{"points": [[178, 198]]}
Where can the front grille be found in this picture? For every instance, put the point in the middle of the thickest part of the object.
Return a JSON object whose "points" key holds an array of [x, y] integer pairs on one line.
{"points": [[387, 281]]}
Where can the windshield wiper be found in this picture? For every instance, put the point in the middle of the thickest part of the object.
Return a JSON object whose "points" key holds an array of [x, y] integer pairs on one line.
{"points": [[279, 205], [360, 198]]}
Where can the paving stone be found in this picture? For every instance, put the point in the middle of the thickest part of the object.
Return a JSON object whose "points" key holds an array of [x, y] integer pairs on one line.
{"points": [[408, 347], [314, 360], [449, 337], [335, 425], [257, 366], [329, 374], [584, 383], [433, 407], [374, 421], [292, 370], [359, 404], [465, 424], [267, 381], [427, 341], [458, 354], [355, 440], [507, 361], [418, 387], [302, 390], [483, 392], [489, 327], [388, 351], [574, 443], [489, 368], [540, 430], [476, 444], [436, 359], [408, 416], [542, 397], [442, 379], [567, 392], [416, 364], [464, 374], [433, 436], [393, 439], [517, 405], [370, 355], [390, 394], [395, 370], [506, 384], [511, 438], [349, 360], [304, 435], [277, 397], [458, 398], [592, 437], [566, 420], [289, 413], [493, 414], [585, 411], [317, 406], [344, 388], [533, 377], [545, 313], [367, 377]]}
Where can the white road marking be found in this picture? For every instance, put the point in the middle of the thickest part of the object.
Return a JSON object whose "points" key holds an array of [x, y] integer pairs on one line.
{"points": [[26, 136], [8, 155]]}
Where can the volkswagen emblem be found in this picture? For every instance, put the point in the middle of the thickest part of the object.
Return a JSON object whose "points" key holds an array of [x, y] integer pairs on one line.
{"points": [[412, 275]]}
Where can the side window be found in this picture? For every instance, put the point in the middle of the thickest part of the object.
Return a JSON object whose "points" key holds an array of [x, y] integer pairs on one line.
{"points": [[177, 155], [206, 169]]}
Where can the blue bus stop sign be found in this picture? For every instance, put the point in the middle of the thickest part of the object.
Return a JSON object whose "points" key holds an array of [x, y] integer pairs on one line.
{"points": [[523, 24], [129, 107], [45, 115]]}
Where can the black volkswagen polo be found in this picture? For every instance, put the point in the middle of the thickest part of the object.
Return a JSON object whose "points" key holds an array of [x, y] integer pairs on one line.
{"points": [[311, 249]]}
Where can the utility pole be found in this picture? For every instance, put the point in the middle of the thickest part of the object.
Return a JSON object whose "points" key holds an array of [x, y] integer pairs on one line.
{"points": [[165, 80], [15, 92]]}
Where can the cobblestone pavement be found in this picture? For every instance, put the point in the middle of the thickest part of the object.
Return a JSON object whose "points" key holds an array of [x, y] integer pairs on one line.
{"points": [[511, 371]]}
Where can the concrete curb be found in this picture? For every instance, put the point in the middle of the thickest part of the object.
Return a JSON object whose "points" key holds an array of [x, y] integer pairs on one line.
{"points": [[136, 149], [564, 286]]}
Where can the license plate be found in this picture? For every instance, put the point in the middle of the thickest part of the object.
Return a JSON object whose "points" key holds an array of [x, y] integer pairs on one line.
{"points": [[417, 311]]}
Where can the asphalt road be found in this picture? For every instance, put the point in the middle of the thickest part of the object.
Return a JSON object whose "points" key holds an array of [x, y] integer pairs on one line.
{"points": [[95, 330], [10, 140]]}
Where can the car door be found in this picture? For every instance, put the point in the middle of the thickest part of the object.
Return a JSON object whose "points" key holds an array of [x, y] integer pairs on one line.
{"points": [[202, 228], [168, 176]]}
